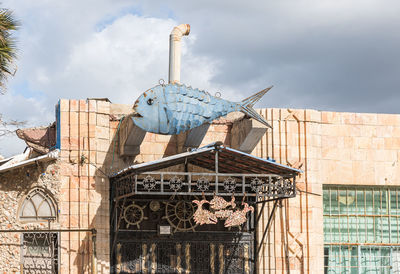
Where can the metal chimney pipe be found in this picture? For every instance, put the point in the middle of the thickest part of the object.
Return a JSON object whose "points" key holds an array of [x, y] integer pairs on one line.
{"points": [[175, 52]]}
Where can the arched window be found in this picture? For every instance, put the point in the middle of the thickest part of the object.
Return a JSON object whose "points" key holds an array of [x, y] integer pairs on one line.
{"points": [[37, 206]]}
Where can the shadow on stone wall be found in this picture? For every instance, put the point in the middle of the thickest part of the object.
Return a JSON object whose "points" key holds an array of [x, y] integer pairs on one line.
{"points": [[101, 219], [103, 216]]}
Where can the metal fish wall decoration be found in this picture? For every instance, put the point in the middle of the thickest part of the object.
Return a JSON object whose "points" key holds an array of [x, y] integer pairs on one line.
{"points": [[173, 108]]}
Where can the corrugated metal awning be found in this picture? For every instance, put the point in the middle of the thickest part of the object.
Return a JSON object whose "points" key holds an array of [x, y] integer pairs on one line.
{"points": [[229, 161]]}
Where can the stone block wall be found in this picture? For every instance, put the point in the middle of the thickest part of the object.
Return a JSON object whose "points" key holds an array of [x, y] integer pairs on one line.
{"points": [[85, 135], [14, 186], [89, 153], [331, 148], [295, 238], [360, 149]]}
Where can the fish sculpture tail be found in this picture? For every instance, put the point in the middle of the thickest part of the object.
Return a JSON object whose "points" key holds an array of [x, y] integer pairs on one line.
{"points": [[247, 104]]}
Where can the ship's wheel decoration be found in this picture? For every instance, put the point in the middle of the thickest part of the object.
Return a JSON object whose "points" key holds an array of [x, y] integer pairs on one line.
{"points": [[230, 184], [203, 184], [256, 184], [134, 215], [175, 183], [179, 215], [149, 183]]}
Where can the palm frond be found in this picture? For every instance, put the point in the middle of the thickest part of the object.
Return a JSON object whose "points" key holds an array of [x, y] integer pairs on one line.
{"points": [[8, 49]]}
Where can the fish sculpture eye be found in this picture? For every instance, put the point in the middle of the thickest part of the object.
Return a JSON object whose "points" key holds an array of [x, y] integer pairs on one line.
{"points": [[150, 102]]}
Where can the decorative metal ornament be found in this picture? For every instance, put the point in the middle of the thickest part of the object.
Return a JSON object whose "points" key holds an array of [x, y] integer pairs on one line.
{"points": [[288, 187], [256, 184], [223, 214], [172, 108], [149, 183], [154, 206], [39, 252], [218, 203], [203, 184], [230, 184], [175, 183], [134, 215], [238, 217], [203, 216], [179, 215]]}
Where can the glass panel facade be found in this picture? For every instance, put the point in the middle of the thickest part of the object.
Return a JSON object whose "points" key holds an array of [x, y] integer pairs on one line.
{"points": [[361, 229]]}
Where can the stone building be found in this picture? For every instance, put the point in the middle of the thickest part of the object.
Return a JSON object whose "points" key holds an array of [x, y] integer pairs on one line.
{"points": [[57, 202]]}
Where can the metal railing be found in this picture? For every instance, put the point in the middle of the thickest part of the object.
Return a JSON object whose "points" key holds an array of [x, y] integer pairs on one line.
{"points": [[197, 183]]}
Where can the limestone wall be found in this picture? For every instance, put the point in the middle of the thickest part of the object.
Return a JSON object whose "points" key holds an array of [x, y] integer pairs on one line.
{"points": [[361, 149], [85, 141], [295, 240], [89, 153], [331, 148], [14, 186]]}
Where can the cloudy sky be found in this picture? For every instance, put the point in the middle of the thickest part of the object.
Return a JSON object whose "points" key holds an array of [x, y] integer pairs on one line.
{"points": [[328, 55]]}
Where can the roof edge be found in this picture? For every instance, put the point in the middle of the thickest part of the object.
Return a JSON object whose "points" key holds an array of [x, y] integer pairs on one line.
{"points": [[44, 158]]}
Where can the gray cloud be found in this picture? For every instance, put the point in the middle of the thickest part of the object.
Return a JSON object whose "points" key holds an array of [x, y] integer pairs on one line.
{"points": [[336, 55]]}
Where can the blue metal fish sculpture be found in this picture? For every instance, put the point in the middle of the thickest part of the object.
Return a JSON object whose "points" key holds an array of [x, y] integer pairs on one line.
{"points": [[172, 109]]}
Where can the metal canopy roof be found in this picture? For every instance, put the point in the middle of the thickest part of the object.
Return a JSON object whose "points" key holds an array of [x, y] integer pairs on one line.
{"points": [[17, 162], [229, 161]]}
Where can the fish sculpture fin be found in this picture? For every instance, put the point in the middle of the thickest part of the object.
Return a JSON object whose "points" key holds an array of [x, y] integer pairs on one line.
{"points": [[247, 106]]}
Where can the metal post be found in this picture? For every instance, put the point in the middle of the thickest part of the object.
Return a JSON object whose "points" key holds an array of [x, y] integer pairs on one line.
{"points": [[266, 229], [216, 161], [216, 171], [258, 216], [358, 259], [116, 230], [94, 256]]}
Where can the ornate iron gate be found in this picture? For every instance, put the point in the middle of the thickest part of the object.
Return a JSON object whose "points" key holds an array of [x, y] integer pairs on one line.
{"points": [[186, 253], [203, 237], [138, 247]]}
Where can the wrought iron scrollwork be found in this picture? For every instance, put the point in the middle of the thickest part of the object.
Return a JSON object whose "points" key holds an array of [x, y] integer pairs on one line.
{"points": [[175, 183], [149, 183], [230, 184], [168, 183], [125, 186], [256, 184], [40, 252], [203, 184], [288, 188]]}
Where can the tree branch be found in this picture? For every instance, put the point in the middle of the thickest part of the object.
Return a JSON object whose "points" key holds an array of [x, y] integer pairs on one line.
{"points": [[10, 126]]}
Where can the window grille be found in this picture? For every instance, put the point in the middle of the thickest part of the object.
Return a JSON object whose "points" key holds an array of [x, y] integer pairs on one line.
{"points": [[361, 229], [37, 206], [40, 252]]}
